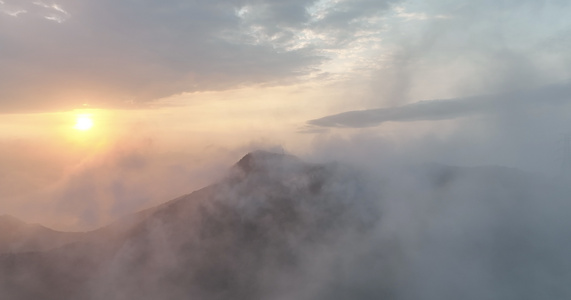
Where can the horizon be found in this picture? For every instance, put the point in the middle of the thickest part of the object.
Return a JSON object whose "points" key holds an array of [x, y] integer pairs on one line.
{"points": [[496, 169]]}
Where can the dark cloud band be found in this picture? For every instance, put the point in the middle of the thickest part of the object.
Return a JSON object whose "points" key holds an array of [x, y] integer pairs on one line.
{"points": [[448, 109]]}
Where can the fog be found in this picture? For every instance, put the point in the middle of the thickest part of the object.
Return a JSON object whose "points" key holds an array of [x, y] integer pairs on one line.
{"points": [[277, 227], [430, 156]]}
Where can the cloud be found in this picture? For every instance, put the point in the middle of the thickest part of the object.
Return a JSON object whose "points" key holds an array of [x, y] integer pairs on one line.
{"points": [[38, 9], [60, 55], [434, 50], [63, 54], [450, 108]]}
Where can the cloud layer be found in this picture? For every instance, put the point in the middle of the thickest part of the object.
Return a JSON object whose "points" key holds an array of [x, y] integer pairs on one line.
{"points": [[123, 53], [63, 54]]}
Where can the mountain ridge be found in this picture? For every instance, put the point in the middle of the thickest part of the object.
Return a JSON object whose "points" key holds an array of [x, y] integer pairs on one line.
{"points": [[279, 228]]}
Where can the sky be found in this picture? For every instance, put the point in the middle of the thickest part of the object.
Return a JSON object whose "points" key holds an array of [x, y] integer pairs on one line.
{"points": [[179, 90]]}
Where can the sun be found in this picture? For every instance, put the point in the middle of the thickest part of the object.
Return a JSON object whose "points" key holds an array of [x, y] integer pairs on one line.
{"points": [[83, 122]]}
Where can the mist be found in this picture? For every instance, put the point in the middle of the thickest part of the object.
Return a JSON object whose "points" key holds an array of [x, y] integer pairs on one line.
{"points": [[277, 227], [363, 149]]}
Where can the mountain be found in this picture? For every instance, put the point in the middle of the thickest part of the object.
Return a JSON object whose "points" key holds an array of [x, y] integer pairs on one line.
{"points": [[18, 236], [277, 228], [224, 241]]}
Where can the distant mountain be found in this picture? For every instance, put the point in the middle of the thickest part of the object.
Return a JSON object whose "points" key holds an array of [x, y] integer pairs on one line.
{"points": [[280, 228], [18, 236]]}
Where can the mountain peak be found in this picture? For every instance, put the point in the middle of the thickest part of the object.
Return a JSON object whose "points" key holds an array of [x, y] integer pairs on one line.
{"points": [[260, 160]]}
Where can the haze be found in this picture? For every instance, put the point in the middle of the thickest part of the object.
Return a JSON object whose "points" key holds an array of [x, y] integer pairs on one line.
{"points": [[173, 93]]}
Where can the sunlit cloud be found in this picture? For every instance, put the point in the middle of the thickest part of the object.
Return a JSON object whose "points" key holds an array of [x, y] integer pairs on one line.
{"points": [[55, 12], [401, 12], [11, 10], [52, 12]]}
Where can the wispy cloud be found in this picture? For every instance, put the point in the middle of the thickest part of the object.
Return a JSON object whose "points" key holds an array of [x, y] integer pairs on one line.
{"points": [[11, 10], [401, 12], [53, 12]]}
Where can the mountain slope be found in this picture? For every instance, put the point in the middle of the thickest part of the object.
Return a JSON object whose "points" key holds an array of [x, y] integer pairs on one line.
{"points": [[280, 228], [219, 242]]}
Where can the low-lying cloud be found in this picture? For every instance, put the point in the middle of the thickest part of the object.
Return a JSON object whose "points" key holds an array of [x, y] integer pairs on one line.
{"points": [[279, 228]]}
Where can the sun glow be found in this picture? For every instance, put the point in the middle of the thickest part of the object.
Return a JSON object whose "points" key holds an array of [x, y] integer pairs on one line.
{"points": [[83, 122]]}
